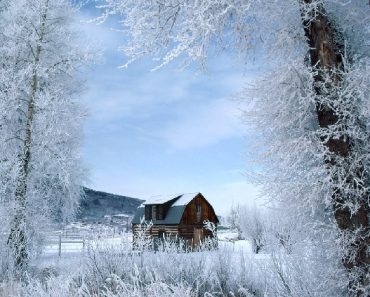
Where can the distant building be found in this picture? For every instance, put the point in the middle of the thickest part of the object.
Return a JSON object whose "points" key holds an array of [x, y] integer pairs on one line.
{"points": [[99, 207], [181, 216]]}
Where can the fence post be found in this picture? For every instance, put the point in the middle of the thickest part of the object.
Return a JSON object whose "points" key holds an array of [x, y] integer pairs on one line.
{"points": [[60, 245], [83, 245], [126, 224]]}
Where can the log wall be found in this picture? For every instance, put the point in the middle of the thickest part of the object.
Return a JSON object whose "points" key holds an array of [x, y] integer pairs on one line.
{"points": [[190, 216], [195, 213]]}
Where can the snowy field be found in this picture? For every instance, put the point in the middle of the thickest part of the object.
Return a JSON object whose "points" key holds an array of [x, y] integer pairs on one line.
{"points": [[69, 247], [76, 238], [98, 260], [101, 262]]}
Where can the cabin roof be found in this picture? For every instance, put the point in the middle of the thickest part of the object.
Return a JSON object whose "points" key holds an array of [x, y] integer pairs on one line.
{"points": [[181, 199], [173, 216], [160, 199], [174, 213], [185, 199]]}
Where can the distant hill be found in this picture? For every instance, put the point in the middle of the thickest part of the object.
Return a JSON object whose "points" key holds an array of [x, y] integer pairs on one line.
{"points": [[97, 204]]}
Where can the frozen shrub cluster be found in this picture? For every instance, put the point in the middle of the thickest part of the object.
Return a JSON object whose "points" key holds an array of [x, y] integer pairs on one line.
{"points": [[162, 274], [169, 271], [172, 270]]}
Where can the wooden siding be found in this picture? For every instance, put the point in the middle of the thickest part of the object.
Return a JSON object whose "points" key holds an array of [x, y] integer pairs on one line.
{"points": [[171, 230], [161, 210], [196, 212], [190, 215], [187, 231], [184, 231], [191, 220]]}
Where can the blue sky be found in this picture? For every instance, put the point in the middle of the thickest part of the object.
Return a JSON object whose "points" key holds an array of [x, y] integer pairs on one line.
{"points": [[168, 131]]}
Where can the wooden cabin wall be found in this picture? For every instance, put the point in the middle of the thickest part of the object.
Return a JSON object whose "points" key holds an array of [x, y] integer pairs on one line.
{"points": [[166, 207], [184, 231], [207, 213], [160, 208], [189, 222], [171, 230], [187, 232]]}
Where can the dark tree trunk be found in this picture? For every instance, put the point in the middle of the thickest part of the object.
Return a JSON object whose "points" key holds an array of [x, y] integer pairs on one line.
{"points": [[18, 235], [326, 56], [17, 239]]}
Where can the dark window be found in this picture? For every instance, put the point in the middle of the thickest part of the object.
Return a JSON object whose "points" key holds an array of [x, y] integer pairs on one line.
{"points": [[198, 211], [160, 212], [148, 212], [154, 212]]}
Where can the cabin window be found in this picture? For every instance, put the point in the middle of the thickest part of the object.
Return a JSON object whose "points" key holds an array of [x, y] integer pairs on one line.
{"points": [[154, 212], [160, 212], [147, 212], [198, 211]]}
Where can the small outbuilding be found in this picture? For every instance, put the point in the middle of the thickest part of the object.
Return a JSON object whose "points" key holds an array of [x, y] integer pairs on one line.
{"points": [[180, 216]]}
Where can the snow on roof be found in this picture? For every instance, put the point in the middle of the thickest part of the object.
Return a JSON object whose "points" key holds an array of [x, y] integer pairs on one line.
{"points": [[185, 199], [182, 199], [121, 215], [160, 199], [175, 212]]}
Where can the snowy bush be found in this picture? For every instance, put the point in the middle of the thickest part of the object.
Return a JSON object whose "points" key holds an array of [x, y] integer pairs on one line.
{"points": [[121, 271], [118, 270], [252, 224]]}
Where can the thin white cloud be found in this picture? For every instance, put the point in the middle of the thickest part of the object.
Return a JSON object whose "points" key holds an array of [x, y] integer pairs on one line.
{"points": [[117, 94], [222, 195], [235, 193], [135, 113], [203, 125], [101, 34]]}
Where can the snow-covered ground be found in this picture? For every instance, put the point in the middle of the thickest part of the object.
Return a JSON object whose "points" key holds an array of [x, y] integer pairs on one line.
{"points": [[103, 258], [76, 240], [230, 238], [77, 237]]}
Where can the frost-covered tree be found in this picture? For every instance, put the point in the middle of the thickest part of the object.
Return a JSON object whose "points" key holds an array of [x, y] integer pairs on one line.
{"points": [[253, 225], [312, 109], [233, 219], [40, 122]]}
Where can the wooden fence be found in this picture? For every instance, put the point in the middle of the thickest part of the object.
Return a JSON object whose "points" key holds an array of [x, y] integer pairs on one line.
{"points": [[72, 241], [58, 242]]}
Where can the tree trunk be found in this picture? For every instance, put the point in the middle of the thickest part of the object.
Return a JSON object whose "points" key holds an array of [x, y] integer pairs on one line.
{"points": [[17, 240], [326, 56]]}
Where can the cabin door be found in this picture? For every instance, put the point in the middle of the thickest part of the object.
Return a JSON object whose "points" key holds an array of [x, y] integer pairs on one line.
{"points": [[198, 236]]}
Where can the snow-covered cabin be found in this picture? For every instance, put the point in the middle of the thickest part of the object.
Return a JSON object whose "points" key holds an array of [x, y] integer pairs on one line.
{"points": [[179, 215]]}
